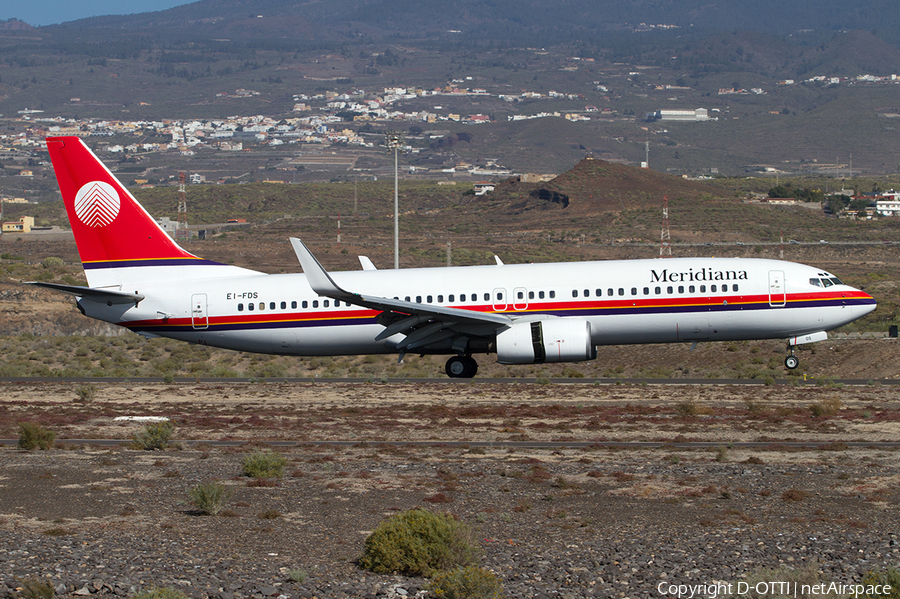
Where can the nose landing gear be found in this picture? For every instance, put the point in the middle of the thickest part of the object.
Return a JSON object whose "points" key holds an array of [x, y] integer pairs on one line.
{"points": [[461, 367]]}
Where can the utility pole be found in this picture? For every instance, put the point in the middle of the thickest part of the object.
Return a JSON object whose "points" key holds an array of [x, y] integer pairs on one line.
{"points": [[393, 140], [665, 240], [181, 232]]}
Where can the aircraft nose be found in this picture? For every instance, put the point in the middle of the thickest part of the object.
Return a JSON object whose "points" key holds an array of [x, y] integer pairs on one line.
{"points": [[863, 304]]}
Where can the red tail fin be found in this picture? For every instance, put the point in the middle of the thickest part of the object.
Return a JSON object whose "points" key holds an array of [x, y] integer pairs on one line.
{"points": [[111, 228]]}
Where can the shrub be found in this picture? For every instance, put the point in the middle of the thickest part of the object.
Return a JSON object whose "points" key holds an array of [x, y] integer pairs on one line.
{"points": [[32, 434], [469, 582], [264, 464], [209, 498], [891, 577], [52, 262], [298, 575], [159, 593], [35, 587], [418, 542], [154, 436], [86, 393]]}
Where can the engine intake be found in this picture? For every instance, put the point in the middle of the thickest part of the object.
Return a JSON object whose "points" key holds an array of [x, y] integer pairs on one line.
{"points": [[554, 340]]}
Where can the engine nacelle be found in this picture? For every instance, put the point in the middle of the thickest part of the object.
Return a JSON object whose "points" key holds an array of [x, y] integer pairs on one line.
{"points": [[552, 340]]}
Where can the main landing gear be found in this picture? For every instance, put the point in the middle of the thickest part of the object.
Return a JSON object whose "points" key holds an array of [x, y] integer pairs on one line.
{"points": [[791, 361], [461, 367]]}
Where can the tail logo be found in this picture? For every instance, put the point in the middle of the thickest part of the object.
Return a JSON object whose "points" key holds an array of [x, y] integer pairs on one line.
{"points": [[97, 204]]}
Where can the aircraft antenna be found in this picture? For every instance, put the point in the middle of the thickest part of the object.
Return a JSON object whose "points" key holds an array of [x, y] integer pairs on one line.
{"points": [[181, 231], [665, 240]]}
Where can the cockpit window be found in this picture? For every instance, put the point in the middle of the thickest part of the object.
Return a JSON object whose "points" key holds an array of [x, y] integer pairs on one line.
{"points": [[836, 281], [827, 282], [815, 282]]}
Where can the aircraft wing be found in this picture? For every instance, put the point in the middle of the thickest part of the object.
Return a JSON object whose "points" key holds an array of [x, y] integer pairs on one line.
{"points": [[422, 324], [105, 296]]}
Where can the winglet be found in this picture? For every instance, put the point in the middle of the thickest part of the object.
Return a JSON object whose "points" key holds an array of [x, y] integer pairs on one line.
{"points": [[366, 263], [320, 281]]}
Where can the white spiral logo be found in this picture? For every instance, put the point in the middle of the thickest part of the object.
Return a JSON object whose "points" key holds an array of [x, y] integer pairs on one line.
{"points": [[97, 204]]}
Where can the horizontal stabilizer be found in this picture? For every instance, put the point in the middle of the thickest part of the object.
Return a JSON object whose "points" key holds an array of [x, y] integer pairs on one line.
{"points": [[105, 296]]}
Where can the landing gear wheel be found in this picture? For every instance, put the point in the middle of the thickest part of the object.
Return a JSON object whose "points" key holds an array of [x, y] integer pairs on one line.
{"points": [[791, 362], [463, 367]]}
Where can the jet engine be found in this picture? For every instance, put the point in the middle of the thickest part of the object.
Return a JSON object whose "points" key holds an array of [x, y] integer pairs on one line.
{"points": [[552, 340]]}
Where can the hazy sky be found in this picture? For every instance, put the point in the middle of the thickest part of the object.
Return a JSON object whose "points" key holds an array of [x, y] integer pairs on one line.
{"points": [[49, 12]]}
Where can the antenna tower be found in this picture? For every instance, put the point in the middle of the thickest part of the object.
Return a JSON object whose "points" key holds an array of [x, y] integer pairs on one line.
{"points": [[665, 241], [181, 232]]}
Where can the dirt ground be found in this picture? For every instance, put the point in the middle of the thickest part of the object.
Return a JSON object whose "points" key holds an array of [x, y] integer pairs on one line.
{"points": [[570, 522]]}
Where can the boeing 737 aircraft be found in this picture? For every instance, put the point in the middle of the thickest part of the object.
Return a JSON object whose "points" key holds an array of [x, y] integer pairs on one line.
{"points": [[139, 278]]}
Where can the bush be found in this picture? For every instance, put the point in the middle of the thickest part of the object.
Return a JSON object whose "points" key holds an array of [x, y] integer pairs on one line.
{"points": [[32, 434], [154, 436], [209, 498], [418, 542], [891, 577], [35, 587], [160, 593], [264, 464], [86, 393], [469, 582], [52, 262]]}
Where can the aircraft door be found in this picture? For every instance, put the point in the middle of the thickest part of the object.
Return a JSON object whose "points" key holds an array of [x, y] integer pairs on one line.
{"points": [[499, 299], [520, 298], [776, 288], [199, 317]]}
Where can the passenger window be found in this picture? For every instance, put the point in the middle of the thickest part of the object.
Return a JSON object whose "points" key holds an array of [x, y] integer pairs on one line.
{"points": [[646, 291], [430, 299], [418, 299], [499, 295], [552, 294], [325, 304], [734, 287], [540, 294], [262, 305], [250, 307], [609, 291], [702, 288], [487, 297], [815, 282], [621, 291], [691, 289], [669, 290], [240, 307], [452, 298], [474, 297], [271, 305], [657, 290], [315, 303], [574, 293], [305, 304], [293, 305], [406, 298], [712, 288], [520, 295], [440, 299], [634, 291], [598, 292], [681, 289], [531, 295], [284, 305], [587, 293]]}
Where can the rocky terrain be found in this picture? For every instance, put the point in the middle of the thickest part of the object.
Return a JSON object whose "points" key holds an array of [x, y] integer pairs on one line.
{"points": [[591, 520]]}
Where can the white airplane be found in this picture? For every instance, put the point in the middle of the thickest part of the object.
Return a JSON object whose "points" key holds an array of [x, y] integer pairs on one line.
{"points": [[139, 278]]}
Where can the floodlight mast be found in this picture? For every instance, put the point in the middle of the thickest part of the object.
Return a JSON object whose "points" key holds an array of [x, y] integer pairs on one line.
{"points": [[393, 140]]}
